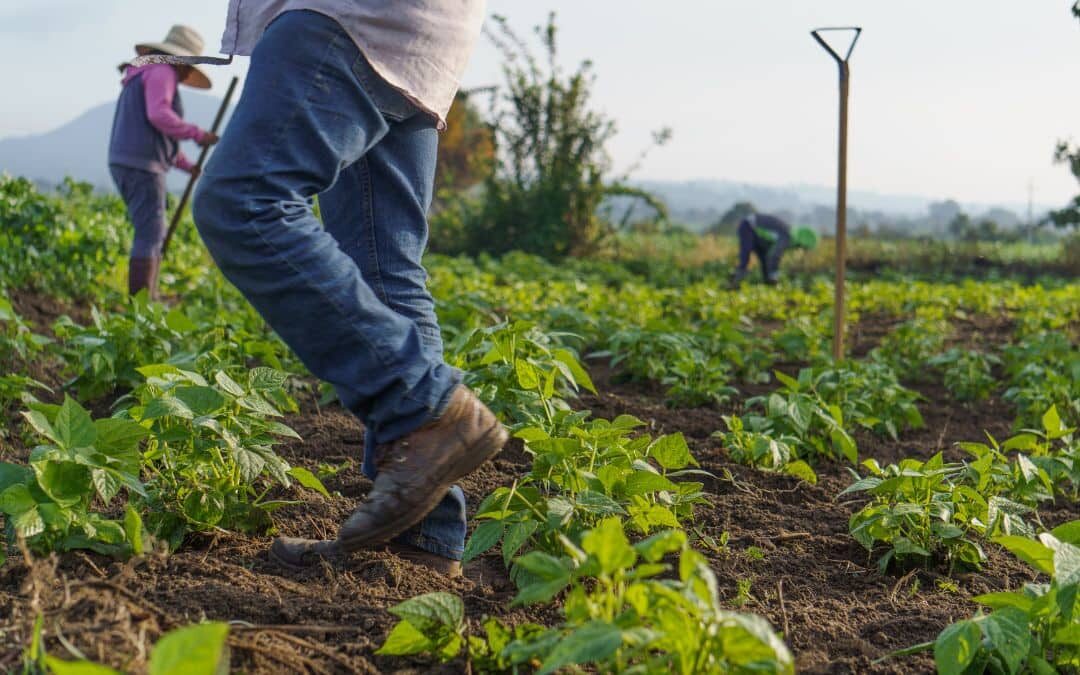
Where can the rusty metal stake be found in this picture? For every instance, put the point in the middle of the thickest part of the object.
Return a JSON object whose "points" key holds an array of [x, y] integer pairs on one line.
{"points": [[841, 184]]}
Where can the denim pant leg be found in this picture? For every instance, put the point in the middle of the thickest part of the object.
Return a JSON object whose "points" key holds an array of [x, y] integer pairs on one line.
{"points": [[143, 193], [771, 262], [377, 211], [302, 117]]}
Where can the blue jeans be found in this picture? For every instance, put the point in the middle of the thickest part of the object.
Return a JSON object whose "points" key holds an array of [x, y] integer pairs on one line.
{"points": [[349, 297], [143, 193]]}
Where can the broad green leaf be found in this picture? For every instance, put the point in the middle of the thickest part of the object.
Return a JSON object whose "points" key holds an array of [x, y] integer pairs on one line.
{"points": [[66, 483], [1005, 599], [193, 650], [516, 536], [179, 322], [1051, 422], [672, 452], [308, 480], [10, 474], [133, 529], [41, 424], [106, 484], [608, 543], [1010, 636], [593, 642], [432, 610], [801, 470], [118, 435], [1032, 552], [200, 400], [74, 427], [645, 482], [1068, 532], [16, 499], [28, 523], [483, 538], [204, 507], [404, 639], [526, 375], [265, 379], [167, 406], [956, 647], [660, 544], [581, 376], [61, 667], [228, 384], [157, 370], [249, 461], [1066, 564]]}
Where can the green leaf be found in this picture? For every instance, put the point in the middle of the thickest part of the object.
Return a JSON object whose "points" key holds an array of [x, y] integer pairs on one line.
{"points": [[41, 424], [1009, 635], [66, 483], [133, 529], [1068, 532], [432, 610], [265, 379], [308, 480], [607, 542], [672, 452], [801, 470], [1032, 552], [16, 499], [516, 536], [11, 474], [193, 650], [60, 667], [1051, 422], [28, 523], [167, 406], [120, 435], [581, 376], [526, 375], [200, 400], [1005, 599], [404, 639], [249, 461], [179, 322], [956, 647], [228, 384], [660, 544], [74, 427], [106, 484], [483, 538], [593, 642], [204, 507], [646, 482]]}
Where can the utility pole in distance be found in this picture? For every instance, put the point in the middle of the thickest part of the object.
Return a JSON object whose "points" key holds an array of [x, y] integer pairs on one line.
{"points": [[841, 184]]}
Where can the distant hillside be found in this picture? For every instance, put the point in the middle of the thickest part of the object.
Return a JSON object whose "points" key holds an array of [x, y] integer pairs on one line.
{"points": [[79, 148]]}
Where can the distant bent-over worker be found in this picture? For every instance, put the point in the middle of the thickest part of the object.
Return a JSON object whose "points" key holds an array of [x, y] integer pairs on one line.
{"points": [[768, 237], [146, 133]]}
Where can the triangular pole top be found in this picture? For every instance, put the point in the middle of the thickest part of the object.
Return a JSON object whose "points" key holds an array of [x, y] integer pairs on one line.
{"points": [[821, 41]]}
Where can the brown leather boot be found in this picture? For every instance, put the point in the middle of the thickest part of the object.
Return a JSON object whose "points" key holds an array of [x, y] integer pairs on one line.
{"points": [[414, 472], [298, 553], [143, 273]]}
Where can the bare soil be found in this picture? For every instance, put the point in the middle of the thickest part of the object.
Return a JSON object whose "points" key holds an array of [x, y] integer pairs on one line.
{"points": [[787, 540]]}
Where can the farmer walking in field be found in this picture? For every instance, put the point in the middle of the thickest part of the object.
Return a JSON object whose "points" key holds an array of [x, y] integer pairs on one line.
{"points": [[768, 237], [147, 129], [343, 101]]}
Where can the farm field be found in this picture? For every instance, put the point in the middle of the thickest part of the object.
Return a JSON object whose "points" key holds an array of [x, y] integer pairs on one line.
{"points": [[693, 485]]}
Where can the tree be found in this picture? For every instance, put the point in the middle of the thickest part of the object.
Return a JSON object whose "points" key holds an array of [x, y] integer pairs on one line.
{"points": [[551, 172], [1069, 215], [466, 148], [732, 217]]}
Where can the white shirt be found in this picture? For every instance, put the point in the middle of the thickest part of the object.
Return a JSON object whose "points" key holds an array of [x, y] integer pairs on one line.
{"points": [[419, 46]]}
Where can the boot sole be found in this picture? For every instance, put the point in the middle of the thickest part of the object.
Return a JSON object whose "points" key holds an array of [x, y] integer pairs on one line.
{"points": [[486, 447]]}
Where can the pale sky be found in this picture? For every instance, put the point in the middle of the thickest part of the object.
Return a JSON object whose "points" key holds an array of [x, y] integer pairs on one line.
{"points": [[950, 98]]}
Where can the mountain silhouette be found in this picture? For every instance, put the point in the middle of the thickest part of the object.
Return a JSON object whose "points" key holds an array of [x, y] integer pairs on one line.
{"points": [[80, 148]]}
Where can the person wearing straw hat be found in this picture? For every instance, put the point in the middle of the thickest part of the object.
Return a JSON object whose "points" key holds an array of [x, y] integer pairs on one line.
{"points": [[768, 237], [145, 143]]}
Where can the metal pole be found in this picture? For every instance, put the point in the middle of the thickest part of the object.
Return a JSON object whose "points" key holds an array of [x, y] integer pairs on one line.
{"points": [[841, 186], [841, 220], [202, 159]]}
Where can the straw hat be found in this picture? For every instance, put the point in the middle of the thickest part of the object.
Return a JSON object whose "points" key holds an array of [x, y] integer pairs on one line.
{"points": [[181, 41]]}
